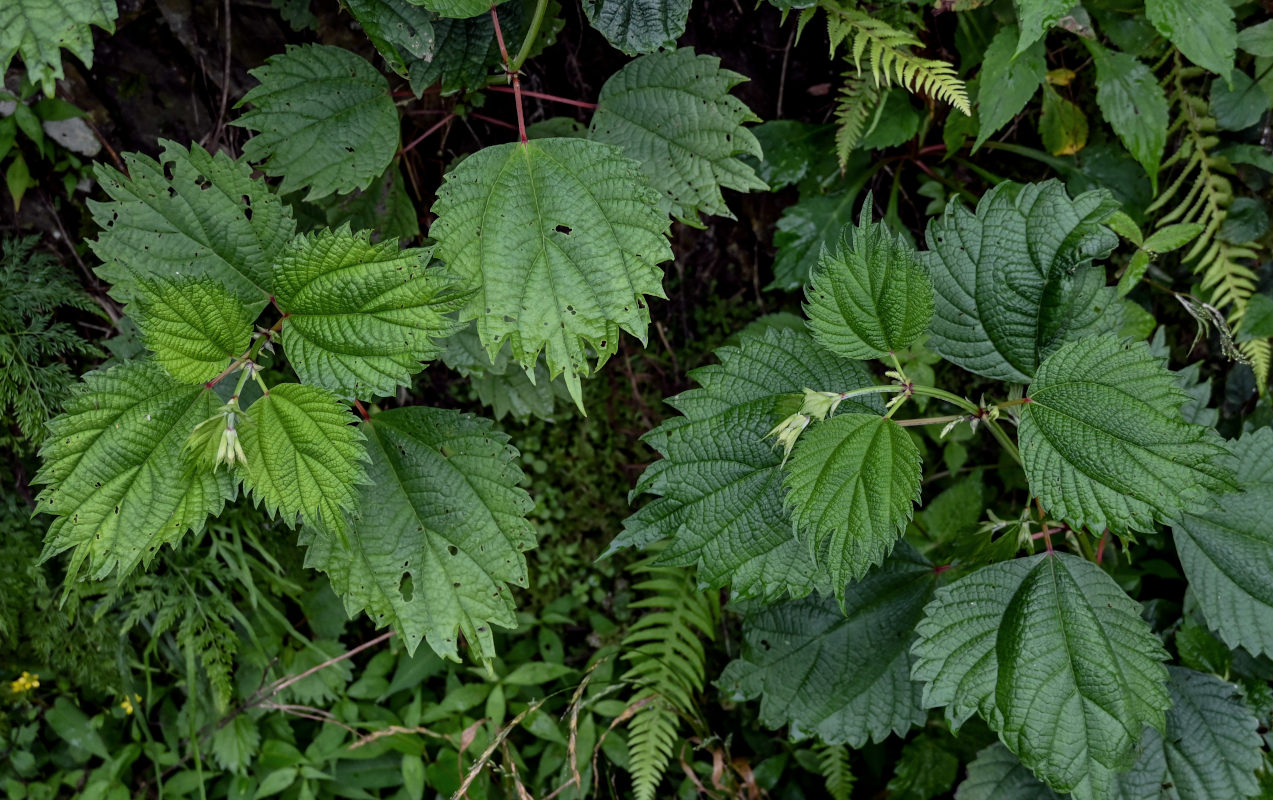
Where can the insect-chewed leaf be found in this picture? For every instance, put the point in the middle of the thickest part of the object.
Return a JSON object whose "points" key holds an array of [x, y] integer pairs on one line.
{"points": [[304, 458], [361, 316], [439, 534], [190, 214], [639, 26], [672, 112], [114, 474], [1056, 658], [323, 119], [996, 774], [192, 325], [400, 30], [852, 485], [1015, 281], [37, 30], [869, 297], [1104, 444], [719, 483], [1210, 749], [562, 240], [1227, 552], [842, 674]]}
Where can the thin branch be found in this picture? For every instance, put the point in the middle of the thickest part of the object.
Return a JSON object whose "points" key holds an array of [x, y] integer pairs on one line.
{"points": [[545, 96]]}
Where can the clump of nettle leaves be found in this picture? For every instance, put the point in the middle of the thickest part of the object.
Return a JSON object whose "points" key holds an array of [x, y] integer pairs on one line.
{"points": [[267, 343]]}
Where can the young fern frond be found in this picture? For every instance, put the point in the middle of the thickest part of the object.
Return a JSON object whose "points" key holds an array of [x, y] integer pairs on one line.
{"points": [[857, 103], [833, 761], [888, 53], [667, 666]]}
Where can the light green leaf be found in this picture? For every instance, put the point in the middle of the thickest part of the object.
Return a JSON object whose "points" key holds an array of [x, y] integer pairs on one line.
{"points": [[1204, 30], [114, 474], [672, 112], [719, 483], [852, 485], [1172, 237], [74, 727], [1036, 16], [996, 774], [457, 9], [1104, 444], [1257, 39], [323, 120], [192, 325], [562, 241], [841, 673], [1137, 266], [1016, 280], [439, 534], [303, 456], [638, 26], [235, 744], [361, 317], [814, 222], [400, 30], [1133, 103], [1056, 658], [1009, 78], [1210, 749], [869, 297], [209, 219], [37, 30]]}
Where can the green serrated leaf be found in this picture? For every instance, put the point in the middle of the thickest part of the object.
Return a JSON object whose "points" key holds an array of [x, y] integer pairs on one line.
{"points": [[1016, 281], [672, 112], [1133, 103], [457, 9], [37, 31], [501, 384], [638, 26], [439, 534], [996, 774], [192, 325], [210, 219], [841, 673], [1056, 658], [719, 483], [114, 474], [814, 222], [1009, 78], [852, 484], [1204, 30], [361, 317], [869, 297], [561, 240], [323, 118], [1104, 444], [1036, 16], [304, 457], [400, 30], [1172, 237]]}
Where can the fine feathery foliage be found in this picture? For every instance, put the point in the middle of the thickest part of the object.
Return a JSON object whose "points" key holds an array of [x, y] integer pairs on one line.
{"points": [[1056, 658], [323, 119], [833, 763], [858, 103], [561, 239], [37, 31], [673, 114]]}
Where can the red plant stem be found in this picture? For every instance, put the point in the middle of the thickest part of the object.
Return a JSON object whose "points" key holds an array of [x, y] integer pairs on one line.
{"points": [[492, 120], [432, 129], [362, 411], [1100, 546], [544, 96], [512, 74]]}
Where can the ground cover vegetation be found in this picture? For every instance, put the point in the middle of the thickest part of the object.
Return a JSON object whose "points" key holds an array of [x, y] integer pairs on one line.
{"points": [[636, 399]]}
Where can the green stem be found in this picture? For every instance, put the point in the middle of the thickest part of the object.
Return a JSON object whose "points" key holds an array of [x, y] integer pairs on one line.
{"points": [[1004, 440], [872, 390], [532, 33], [918, 421], [953, 399]]}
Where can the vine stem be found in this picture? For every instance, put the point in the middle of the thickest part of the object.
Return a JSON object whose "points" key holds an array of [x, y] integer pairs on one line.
{"points": [[509, 69], [545, 96]]}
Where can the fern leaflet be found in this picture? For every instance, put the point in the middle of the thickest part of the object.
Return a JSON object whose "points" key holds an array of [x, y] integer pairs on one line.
{"points": [[833, 761], [854, 108]]}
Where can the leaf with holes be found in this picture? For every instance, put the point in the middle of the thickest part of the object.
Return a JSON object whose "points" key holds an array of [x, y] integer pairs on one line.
{"points": [[561, 239], [192, 325]]}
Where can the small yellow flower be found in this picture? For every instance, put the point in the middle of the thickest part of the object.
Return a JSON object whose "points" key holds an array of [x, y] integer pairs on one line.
{"points": [[127, 704], [25, 683]]}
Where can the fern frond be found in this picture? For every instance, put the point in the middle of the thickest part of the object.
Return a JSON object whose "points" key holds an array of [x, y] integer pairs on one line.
{"points": [[888, 53], [854, 108], [667, 665], [833, 762], [1260, 353]]}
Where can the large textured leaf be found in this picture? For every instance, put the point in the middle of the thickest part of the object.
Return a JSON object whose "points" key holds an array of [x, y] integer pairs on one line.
{"points": [[639, 26], [842, 675], [673, 113], [439, 534], [36, 30], [869, 297], [1204, 30], [1015, 281], [1210, 749], [400, 30], [114, 474], [1008, 80], [192, 325], [1133, 103], [361, 316], [191, 214], [1227, 552], [996, 774], [719, 483], [1056, 658], [852, 484], [304, 457], [562, 240], [1104, 444], [323, 119]]}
